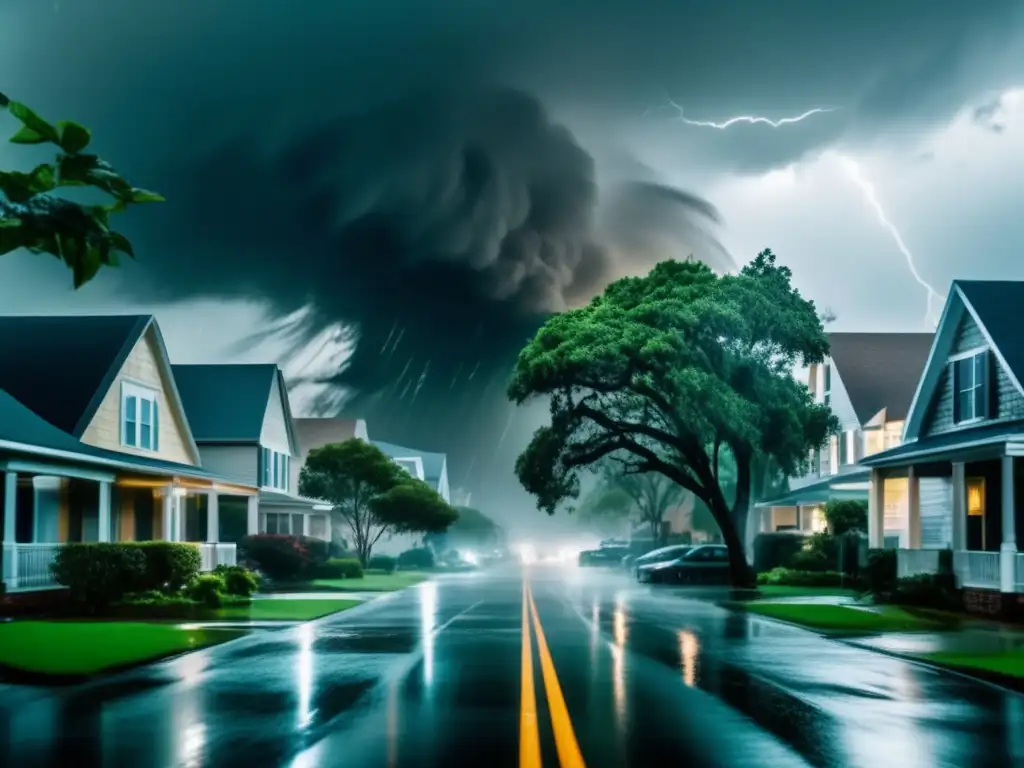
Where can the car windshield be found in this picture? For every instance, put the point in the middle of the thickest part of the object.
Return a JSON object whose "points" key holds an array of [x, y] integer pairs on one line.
{"points": [[665, 553]]}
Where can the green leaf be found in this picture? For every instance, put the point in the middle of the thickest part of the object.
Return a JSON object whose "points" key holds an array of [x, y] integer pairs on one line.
{"points": [[26, 135], [10, 223], [4, 101], [121, 243], [11, 238], [44, 178], [33, 121], [74, 170], [145, 196], [17, 186], [73, 137], [85, 268]]}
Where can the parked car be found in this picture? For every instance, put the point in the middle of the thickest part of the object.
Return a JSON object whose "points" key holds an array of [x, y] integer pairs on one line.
{"points": [[602, 556], [706, 564], [660, 555]]}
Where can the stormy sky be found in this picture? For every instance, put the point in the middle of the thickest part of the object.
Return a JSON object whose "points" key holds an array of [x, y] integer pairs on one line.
{"points": [[389, 195]]}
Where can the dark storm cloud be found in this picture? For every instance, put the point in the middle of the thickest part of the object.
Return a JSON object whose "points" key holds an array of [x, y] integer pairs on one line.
{"points": [[408, 169]]}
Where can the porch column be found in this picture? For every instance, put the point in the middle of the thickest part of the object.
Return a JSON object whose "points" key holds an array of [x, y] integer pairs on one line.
{"points": [[1008, 549], [913, 509], [10, 547], [253, 509], [104, 512], [169, 509], [305, 525], [876, 509], [959, 508], [212, 518]]}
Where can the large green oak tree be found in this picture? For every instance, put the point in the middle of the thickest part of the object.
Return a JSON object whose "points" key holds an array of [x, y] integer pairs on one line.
{"points": [[669, 373]]}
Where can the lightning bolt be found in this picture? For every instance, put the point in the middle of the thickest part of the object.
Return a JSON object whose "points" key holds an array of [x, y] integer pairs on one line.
{"points": [[856, 175], [748, 119]]}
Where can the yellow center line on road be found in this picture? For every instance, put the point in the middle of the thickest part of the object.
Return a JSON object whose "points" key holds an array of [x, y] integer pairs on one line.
{"points": [[569, 755], [529, 736]]}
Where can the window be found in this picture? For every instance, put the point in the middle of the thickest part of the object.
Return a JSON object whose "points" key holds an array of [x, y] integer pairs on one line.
{"points": [[140, 417], [976, 497], [282, 523], [275, 470], [828, 384], [893, 434], [969, 387], [833, 455], [874, 441]]}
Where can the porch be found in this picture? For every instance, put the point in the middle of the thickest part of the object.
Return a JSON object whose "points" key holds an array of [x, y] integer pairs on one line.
{"points": [[45, 507], [968, 501]]}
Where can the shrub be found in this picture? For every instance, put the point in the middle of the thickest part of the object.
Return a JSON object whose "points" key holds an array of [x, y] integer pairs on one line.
{"points": [[282, 558], [925, 590], [416, 558], [844, 515], [820, 552], [97, 575], [169, 565], [339, 568], [238, 581], [881, 570], [384, 563], [789, 577], [319, 551], [772, 550], [207, 589]]}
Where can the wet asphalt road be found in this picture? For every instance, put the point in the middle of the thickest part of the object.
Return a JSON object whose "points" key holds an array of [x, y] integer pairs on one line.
{"points": [[434, 676]]}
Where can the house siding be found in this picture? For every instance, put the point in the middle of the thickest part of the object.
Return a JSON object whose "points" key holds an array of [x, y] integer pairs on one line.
{"points": [[232, 462], [275, 425], [104, 431], [939, 418]]}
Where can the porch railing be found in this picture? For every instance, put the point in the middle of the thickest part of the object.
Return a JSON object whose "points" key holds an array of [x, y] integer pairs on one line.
{"points": [[222, 553], [27, 566], [911, 562], [977, 569]]}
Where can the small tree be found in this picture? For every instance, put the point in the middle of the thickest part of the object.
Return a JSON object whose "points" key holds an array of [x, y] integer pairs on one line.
{"points": [[845, 515], [473, 527], [33, 218], [654, 495], [371, 494]]}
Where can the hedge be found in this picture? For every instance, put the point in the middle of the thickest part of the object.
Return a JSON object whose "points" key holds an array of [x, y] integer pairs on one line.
{"points": [[417, 558], [98, 574], [282, 557], [339, 568]]}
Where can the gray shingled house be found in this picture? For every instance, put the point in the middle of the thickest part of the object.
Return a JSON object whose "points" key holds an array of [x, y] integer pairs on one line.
{"points": [[95, 445], [868, 381], [963, 434], [242, 422]]}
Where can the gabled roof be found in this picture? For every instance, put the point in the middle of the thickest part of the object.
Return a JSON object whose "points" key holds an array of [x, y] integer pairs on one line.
{"points": [[880, 370], [24, 432], [61, 367], [433, 463], [227, 403], [991, 305]]}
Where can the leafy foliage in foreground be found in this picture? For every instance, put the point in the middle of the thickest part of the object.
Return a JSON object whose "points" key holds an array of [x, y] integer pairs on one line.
{"points": [[34, 218], [668, 373]]}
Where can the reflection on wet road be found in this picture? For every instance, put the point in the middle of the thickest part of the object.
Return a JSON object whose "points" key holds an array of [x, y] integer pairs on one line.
{"points": [[486, 669]]}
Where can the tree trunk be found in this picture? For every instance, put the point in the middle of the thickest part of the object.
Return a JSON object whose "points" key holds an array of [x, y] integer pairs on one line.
{"points": [[740, 572]]}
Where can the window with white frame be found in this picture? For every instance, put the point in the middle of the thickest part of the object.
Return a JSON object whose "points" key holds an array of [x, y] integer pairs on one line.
{"points": [[275, 469], [828, 383], [969, 387], [281, 523], [140, 416]]}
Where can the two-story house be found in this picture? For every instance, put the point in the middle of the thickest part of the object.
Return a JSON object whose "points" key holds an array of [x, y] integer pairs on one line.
{"points": [[962, 436], [868, 381], [96, 446], [242, 422]]}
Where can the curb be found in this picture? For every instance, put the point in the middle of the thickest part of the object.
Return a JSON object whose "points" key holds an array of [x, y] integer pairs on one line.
{"points": [[992, 679]]}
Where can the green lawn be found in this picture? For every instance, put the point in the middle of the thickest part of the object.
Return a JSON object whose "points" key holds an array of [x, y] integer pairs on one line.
{"points": [[373, 582], [1005, 662], [282, 610], [769, 590], [85, 648], [840, 619]]}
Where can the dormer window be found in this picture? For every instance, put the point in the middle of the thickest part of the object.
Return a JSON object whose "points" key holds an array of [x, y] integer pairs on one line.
{"points": [[970, 387]]}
